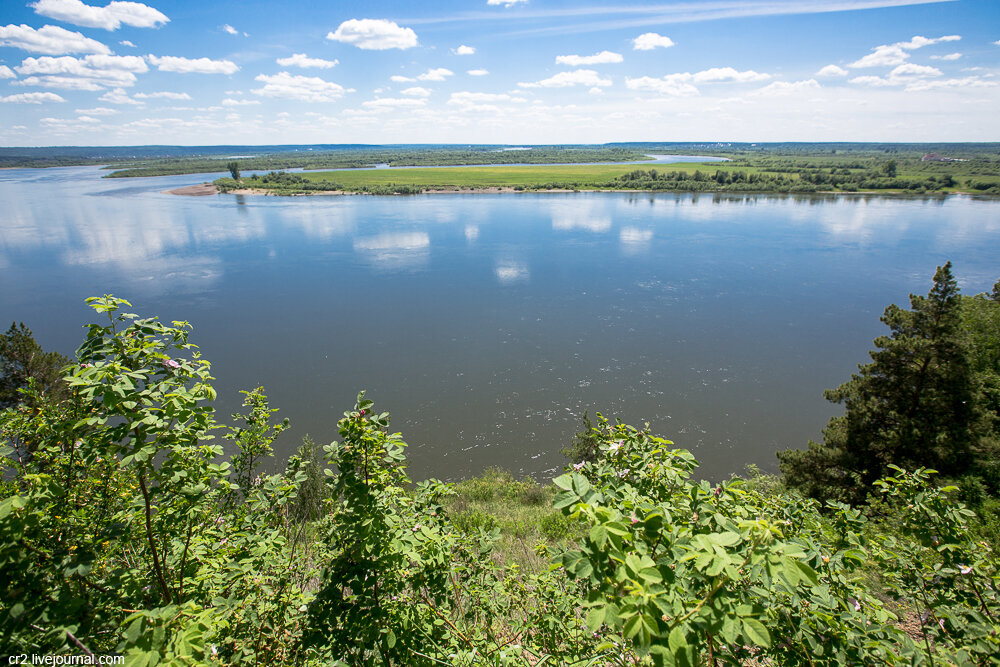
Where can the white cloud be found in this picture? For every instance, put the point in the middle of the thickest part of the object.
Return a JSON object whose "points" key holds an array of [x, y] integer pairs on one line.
{"points": [[997, 43], [109, 17], [578, 77], [787, 87], [192, 65], [88, 73], [665, 86], [230, 29], [464, 50], [467, 98], [374, 34], [886, 55], [31, 98], [718, 74], [963, 83], [164, 94], [651, 40], [49, 39], [7, 73], [97, 111], [304, 61], [230, 102], [477, 72], [597, 59], [306, 88], [417, 91], [505, 3], [386, 103], [118, 96], [906, 74], [832, 70], [125, 42], [891, 55], [437, 74], [950, 56], [401, 79]]}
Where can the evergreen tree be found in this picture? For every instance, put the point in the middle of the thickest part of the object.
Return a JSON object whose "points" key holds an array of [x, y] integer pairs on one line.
{"points": [[916, 404], [22, 358]]}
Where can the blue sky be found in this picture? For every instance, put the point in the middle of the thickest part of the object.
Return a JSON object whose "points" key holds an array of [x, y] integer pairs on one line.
{"points": [[497, 71]]}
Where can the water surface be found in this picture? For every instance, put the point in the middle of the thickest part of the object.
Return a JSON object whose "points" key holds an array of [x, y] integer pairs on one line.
{"points": [[487, 324]]}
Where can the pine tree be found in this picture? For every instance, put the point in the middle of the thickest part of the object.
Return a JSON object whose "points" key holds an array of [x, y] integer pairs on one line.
{"points": [[914, 405]]}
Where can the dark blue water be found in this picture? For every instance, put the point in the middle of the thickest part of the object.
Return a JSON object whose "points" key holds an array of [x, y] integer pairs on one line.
{"points": [[487, 324]]}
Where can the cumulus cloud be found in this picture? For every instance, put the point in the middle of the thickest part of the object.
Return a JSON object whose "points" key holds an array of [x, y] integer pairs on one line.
{"points": [[163, 94], [97, 111], [467, 98], [464, 50], [417, 91], [49, 39], [578, 77], [230, 102], [597, 59], [31, 98], [891, 55], [192, 65], [230, 29], [906, 74], [787, 87], [88, 73], [718, 74], [505, 3], [401, 79], [125, 42], [949, 56], [963, 83], [374, 34], [437, 74], [118, 96], [666, 86], [477, 72], [832, 70], [648, 41], [304, 61], [306, 88], [681, 84], [6, 72], [109, 17], [387, 103]]}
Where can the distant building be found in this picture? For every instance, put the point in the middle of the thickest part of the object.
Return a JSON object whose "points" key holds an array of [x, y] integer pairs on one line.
{"points": [[934, 157]]}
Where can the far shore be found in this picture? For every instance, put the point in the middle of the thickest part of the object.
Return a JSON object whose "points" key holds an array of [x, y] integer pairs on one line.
{"points": [[203, 189]]}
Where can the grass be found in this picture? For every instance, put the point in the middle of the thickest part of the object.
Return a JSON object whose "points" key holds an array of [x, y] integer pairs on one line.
{"points": [[490, 177], [520, 509]]}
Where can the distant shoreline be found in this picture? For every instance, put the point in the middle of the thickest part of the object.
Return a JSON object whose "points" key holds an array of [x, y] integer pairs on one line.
{"points": [[204, 189]]}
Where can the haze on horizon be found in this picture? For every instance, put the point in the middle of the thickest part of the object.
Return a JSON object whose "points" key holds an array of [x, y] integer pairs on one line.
{"points": [[498, 71]]}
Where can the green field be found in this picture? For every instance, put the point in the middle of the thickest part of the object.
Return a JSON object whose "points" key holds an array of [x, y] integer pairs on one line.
{"points": [[486, 177]]}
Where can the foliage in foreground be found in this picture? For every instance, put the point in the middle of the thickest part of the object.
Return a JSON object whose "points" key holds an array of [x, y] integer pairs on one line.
{"points": [[122, 531]]}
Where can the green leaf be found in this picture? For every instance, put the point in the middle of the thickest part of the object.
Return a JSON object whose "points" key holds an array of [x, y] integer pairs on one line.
{"points": [[755, 631], [595, 618], [564, 482], [599, 535]]}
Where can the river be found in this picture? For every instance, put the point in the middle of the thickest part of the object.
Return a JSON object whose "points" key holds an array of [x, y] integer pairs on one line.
{"points": [[487, 324]]}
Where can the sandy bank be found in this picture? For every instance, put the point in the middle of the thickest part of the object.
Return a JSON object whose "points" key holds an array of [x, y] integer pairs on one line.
{"points": [[200, 190]]}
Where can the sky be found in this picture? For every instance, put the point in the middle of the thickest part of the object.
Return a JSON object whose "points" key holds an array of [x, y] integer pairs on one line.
{"points": [[512, 72]]}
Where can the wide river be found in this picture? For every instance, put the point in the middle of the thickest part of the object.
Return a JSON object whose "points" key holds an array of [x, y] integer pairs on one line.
{"points": [[487, 324]]}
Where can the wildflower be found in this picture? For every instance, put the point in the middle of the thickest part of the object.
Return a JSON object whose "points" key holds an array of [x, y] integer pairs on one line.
{"points": [[826, 559], [171, 364], [615, 446], [857, 604], [416, 528], [86, 365], [964, 569], [634, 518], [622, 474], [579, 466], [364, 412]]}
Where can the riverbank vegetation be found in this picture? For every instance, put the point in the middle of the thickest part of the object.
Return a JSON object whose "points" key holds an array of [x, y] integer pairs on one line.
{"points": [[765, 173], [125, 529]]}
